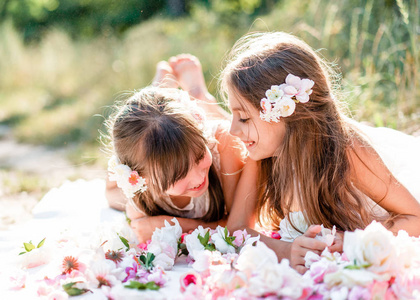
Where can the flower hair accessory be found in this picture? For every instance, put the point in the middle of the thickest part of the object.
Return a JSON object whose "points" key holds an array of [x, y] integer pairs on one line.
{"points": [[281, 99], [128, 180]]}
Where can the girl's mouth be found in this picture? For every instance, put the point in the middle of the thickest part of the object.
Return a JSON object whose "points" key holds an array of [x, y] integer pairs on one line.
{"points": [[249, 144], [199, 187]]}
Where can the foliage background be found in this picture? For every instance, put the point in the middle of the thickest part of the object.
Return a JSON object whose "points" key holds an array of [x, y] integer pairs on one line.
{"points": [[64, 62]]}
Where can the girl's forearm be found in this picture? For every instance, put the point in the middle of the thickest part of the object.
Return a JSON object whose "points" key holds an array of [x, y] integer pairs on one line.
{"points": [[116, 199], [212, 108], [409, 223]]}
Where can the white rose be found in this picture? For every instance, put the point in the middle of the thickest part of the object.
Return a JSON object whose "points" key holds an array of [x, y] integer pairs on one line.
{"points": [[164, 253], [107, 236], [219, 241], [287, 232], [279, 279], [408, 250], [373, 248], [192, 242], [168, 234], [256, 257], [339, 293], [351, 278], [164, 260], [203, 261], [210, 260]]}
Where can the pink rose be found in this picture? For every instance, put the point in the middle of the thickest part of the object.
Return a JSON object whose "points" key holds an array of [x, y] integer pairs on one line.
{"points": [[190, 278]]}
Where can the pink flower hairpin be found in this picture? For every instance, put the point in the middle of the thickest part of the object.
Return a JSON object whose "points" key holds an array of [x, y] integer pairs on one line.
{"points": [[281, 99]]}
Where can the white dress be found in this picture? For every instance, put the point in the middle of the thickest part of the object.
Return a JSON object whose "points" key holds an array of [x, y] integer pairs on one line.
{"points": [[400, 152]]}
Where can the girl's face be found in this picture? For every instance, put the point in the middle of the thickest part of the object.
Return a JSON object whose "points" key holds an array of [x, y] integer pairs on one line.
{"points": [[197, 180], [261, 138]]}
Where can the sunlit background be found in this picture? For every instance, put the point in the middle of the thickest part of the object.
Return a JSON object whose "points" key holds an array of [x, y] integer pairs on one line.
{"points": [[64, 62]]}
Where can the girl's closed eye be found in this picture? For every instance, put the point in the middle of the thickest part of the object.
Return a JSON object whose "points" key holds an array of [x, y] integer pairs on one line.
{"points": [[243, 120]]}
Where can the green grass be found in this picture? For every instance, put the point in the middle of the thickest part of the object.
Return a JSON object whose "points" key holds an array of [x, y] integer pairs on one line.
{"points": [[15, 182], [53, 92]]}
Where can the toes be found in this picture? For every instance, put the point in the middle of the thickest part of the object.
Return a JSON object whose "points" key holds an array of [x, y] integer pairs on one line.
{"points": [[164, 66]]}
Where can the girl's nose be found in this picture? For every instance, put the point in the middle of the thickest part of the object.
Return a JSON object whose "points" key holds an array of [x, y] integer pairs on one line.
{"points": [[234, 129]]}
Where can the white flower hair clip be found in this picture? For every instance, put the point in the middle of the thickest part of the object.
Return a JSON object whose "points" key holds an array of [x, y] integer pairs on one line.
{"points": [[281, 99], [128, 180]]}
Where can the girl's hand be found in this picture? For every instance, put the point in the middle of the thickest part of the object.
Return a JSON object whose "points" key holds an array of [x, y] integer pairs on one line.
{"points": [[144, 227], [337, 245], [303, 244]]}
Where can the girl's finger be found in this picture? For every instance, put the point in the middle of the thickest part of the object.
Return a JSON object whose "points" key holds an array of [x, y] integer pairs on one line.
{"points": [[301, 269]]}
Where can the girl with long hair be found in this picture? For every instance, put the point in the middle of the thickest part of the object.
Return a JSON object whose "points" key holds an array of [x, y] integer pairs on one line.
{"points": [[305, 155], [169, 161]]}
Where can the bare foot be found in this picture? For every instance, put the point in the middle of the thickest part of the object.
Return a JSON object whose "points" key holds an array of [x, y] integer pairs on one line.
{"points": [[188, 72], [164, 76]]}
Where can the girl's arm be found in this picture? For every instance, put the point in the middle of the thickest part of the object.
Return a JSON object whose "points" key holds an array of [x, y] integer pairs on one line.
{"points": [[232, 157], [144, 226], [115, 195], [372, 177], [243, 216], [213, 110]]}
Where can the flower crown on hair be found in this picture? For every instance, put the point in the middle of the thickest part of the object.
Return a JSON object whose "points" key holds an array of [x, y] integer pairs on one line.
{"points": [[128, 180], [281, 99]]}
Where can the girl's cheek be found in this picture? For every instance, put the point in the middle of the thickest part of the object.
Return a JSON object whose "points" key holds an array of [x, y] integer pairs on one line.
{"points": [[208, 159], [178, 188]]}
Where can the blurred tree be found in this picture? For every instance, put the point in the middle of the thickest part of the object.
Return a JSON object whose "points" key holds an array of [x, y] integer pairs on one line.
{"points": [[87, 18], [176, 8], [80, 18], [236, 12]]}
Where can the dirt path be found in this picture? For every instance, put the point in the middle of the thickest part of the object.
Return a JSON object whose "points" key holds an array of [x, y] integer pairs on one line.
{"points": [[27, 172]]}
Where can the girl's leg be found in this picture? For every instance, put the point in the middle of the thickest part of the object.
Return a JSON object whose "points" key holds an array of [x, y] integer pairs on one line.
{"points": [[188, 72], [164, 76]]}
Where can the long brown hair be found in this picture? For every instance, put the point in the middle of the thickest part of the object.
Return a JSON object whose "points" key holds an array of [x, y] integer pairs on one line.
{"points": [[157, 136], [311, 169]]}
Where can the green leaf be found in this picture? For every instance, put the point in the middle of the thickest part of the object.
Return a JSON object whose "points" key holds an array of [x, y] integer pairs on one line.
{"points": [[28, 246], [142, 286], [182, 249], [152, 286], [73, 291], [41, 243], [354, 266], [147, 261], [229, 239], [22, 253], [125, 242], [127, 219], [204, 240], [210, 247]]}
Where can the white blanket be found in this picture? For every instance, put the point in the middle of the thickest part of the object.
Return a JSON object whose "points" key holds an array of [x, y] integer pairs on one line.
{"points": [[80, 209]]}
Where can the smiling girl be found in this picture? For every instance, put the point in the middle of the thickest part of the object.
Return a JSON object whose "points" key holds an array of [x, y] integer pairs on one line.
{"points": [[308, 157], [170, 162]]}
